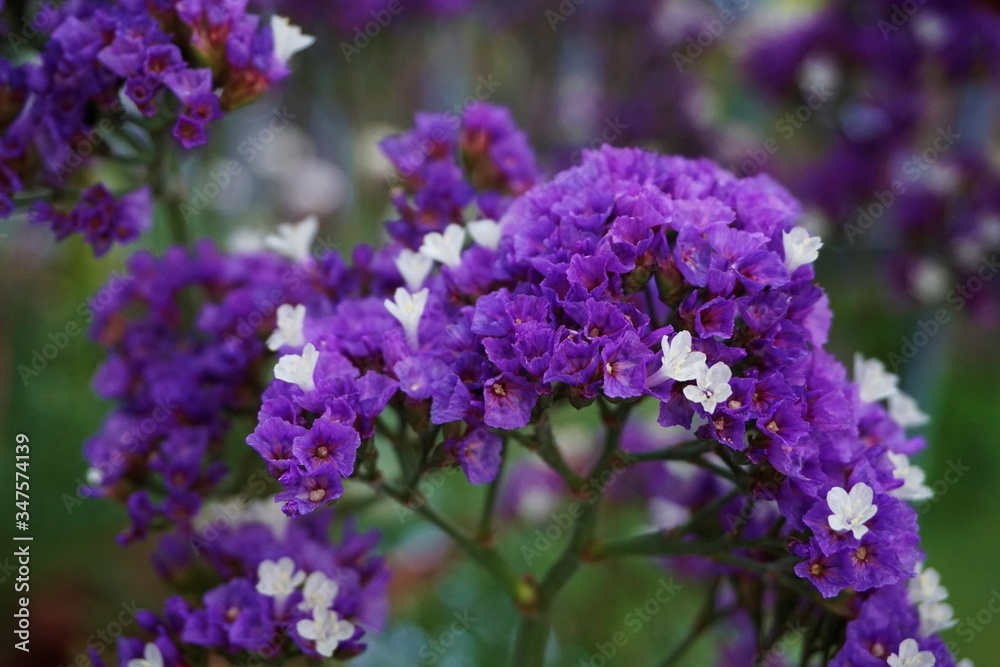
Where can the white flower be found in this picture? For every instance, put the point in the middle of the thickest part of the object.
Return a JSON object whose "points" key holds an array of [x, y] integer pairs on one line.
{"points": [[712, 386], [875, 382], [910, 655], [935, 617], [485, 232], [926, 586], [288, 39], [851, 511], [326, 629], [408, 309], [298, 369], [414, 268], [679, 362], [445, 248], [965, 662], [905, 412], [294, 240], [800, 248], [319, 592], [289, 331], [151, 657], [913, 479], [278, 579]]}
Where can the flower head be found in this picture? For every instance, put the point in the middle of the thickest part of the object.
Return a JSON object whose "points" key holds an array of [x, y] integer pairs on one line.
{"points": [[800, 248], [319, 592], [326, 629], [289, 331], [712, 386], [913, 479], [408, 309], [851, 510], [485, 232], [445, 247], [874, 381], [910, 655], [278, 579], [298, 369], [294, 240], [679, 361], [288, 39], [905, 411], [414, 267]]}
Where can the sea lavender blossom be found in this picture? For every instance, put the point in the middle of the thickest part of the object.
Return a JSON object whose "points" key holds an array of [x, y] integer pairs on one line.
{"points": [[272, 587], [631, 278], [184, 334], [101, 67], [436, 190]]}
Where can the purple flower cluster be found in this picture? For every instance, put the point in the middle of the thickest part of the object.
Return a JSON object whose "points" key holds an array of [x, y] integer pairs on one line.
{"points": [[279, 589], [105, 63], [632, 276], [184, 340], [102, 219], [498, 165]]}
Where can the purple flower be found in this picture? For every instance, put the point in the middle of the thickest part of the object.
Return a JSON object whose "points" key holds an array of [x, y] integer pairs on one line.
{"points": [[509, 401], [328, 442], [479, 452]]}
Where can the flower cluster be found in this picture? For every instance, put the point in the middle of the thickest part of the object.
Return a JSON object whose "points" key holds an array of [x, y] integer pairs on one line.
{"points": [[498, 165], [184, 334], [103, 66], [280, 589], [632, 276]]}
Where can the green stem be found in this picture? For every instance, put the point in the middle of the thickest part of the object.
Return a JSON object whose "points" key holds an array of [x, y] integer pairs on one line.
{"points": [[533, 632], [489, 559], [485, 533], [549, 451], [530, 641]]}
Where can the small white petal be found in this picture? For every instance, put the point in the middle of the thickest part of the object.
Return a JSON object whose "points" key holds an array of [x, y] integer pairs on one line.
{"points": [[414, 268], [910, 655], [288, 39], [874, 381], [294, 240], [326, 629], [905, 411], [800, 248], [408, 309], [485, 232], [935, 617], [278, 579], [926, 586], [319, 592], [712, 386], [298, 369], [151, 657], [851, 510], [913, 479], [679, 361], [289, 332], [445, 248]]}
